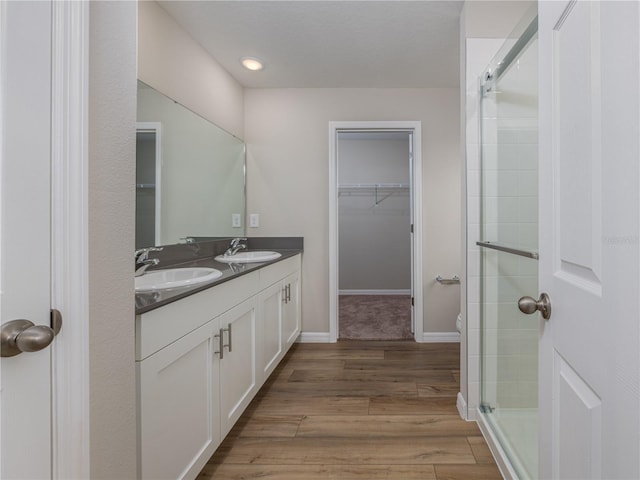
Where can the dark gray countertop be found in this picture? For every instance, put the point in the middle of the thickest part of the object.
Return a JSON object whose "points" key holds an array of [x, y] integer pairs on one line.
{"points": [[148, 301]]}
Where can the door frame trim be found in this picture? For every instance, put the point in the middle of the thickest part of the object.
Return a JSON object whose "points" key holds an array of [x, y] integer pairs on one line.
{"points": [[417, 280], [70, 239]]}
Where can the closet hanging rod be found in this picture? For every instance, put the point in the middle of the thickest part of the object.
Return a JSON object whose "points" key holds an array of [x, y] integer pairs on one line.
{"points": [[365, 186], [507, 249], [381, 191]]}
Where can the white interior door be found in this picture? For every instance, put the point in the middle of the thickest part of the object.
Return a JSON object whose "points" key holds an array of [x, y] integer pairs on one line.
{"points": [[25, 381], [589, 256]]}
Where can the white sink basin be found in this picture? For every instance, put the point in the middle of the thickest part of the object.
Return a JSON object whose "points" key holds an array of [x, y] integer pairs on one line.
{"points": [[175, 277], [249, 257]]}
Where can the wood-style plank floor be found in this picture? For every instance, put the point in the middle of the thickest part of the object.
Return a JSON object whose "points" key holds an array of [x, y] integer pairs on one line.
{"points": [[357, 410]]}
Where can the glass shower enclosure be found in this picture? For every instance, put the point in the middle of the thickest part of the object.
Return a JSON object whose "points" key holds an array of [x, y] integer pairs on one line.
{"points": [[509, 232]]}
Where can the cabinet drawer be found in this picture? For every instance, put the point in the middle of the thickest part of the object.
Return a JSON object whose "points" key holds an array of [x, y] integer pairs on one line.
{"points": [[158, 328], [273, 273]]}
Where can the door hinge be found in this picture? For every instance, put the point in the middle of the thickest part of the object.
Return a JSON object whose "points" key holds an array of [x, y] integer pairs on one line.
{"points": [[412, 228], [412, 302]]}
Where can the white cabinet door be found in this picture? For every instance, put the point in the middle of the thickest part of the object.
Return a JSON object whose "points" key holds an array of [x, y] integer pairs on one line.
{"points": [[179, 406], [291, 310], [270, 309], [589, 222], [238, 366]]}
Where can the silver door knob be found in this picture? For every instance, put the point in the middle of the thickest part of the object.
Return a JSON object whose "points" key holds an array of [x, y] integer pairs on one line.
{"points": [[530, 305], [19, 336]]}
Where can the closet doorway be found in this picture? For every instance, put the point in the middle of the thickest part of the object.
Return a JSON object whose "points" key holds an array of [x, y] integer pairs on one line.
{"points": [[374, 233]]}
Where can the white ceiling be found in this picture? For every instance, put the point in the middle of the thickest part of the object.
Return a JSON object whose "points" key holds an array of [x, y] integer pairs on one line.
{"points": [[317, 43]]}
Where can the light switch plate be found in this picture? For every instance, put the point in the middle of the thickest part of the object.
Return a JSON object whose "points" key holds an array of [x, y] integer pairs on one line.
{"points": [[254, 220], [236, 222]]}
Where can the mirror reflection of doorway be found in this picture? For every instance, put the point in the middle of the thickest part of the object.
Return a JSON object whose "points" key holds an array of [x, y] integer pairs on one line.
{"points": [[148, 174], [374, 235]]}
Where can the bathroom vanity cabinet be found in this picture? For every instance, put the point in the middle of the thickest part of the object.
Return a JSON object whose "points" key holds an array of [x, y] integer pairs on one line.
{"points": [[201, 360], [279, 307]]}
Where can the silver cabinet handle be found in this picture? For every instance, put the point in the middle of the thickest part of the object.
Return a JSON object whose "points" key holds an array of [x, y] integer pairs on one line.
{"points": [[220, 344], [21, 335], [228, 329], [530, 305], [286, 293]]}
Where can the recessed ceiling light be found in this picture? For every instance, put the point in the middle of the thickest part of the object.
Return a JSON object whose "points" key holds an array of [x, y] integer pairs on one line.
{"points": [[252, 63]]}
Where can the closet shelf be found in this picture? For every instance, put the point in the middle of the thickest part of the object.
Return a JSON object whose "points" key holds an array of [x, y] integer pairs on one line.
{"points": [[381, 191]]}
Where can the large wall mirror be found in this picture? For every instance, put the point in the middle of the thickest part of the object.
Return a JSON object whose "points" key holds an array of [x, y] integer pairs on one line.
{"points": [[190, 174]]}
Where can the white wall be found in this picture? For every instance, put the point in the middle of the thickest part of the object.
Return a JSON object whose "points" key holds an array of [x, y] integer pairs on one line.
{"points": [[287, 181], [374, 235], [111, 175], [492, 18], [173, 63]]}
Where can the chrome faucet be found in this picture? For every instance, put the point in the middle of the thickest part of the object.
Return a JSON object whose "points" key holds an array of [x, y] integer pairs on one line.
{"points": [[142, 260], [235, 246]]}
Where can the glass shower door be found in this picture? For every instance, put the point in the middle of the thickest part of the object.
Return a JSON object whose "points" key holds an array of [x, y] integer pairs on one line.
{"points": [[509, 216]]}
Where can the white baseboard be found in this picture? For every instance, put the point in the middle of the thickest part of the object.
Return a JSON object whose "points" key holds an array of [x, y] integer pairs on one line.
{"points": [[440, 337], [374, 292], [314, 337], [461, 403], [428, 337]]}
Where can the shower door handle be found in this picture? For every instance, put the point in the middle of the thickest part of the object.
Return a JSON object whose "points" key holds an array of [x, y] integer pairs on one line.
{"points": [[530, 305]]}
